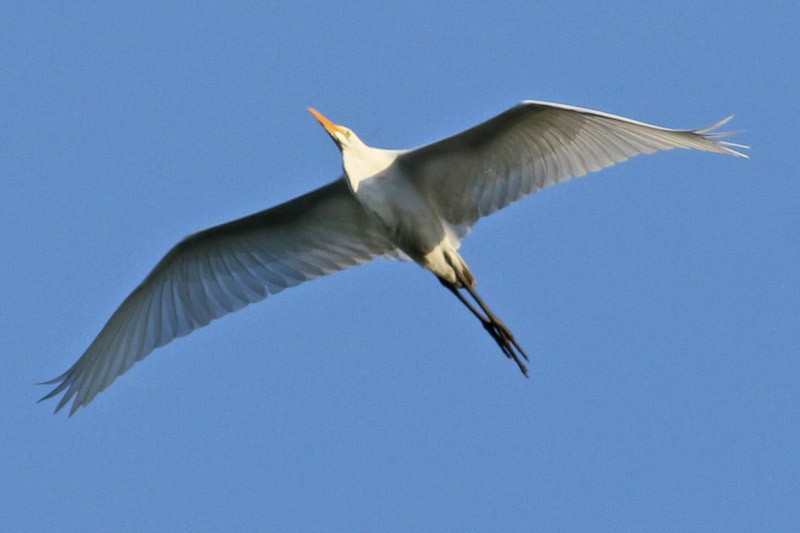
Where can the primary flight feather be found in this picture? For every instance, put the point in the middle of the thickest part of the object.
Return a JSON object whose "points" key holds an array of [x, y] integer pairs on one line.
{"points": [[416, 204]]}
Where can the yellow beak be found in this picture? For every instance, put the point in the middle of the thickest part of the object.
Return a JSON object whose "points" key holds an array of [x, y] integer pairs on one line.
{"points": [[329, 126]]}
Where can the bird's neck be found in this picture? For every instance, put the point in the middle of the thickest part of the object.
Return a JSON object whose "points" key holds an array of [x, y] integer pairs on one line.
{"points": [[363, 162]]}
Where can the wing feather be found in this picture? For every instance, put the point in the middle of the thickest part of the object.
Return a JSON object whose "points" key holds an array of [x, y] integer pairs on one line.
{"points": [[223, 269], [534, 145]]}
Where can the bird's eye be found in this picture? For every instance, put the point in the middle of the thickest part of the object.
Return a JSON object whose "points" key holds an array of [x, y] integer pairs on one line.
{"points": [[347, 133]]}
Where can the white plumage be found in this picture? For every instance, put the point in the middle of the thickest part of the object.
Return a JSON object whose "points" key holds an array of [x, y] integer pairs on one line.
{"points": [[416, 203]]}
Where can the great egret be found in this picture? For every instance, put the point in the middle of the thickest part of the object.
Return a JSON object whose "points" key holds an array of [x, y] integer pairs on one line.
{"points": [[410, 204]]}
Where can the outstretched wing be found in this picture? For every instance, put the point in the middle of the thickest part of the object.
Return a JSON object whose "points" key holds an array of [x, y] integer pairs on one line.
{"points": [[220, 270], [530, 146]]}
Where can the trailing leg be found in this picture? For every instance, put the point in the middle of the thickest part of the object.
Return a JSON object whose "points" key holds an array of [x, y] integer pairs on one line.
{"points": [[491, 323]]}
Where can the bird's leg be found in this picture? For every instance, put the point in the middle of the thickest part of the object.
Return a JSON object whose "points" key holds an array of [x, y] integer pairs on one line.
{"points": [[491, 323], [454, 289], [495, 320], [508, 343]]}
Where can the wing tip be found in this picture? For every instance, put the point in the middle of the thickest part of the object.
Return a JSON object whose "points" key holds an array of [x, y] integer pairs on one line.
{"points": [[727, 147], [63, 384]]}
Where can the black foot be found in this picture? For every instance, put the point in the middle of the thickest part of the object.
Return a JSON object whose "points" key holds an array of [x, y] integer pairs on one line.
{"points": [[506, 341]]}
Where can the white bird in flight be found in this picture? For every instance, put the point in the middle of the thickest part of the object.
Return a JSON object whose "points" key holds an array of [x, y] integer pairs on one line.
{"points": [[410, 204]]}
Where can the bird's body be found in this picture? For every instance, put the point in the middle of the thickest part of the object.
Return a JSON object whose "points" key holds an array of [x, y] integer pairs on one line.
{"points": [[417, 204], [410, 222]]}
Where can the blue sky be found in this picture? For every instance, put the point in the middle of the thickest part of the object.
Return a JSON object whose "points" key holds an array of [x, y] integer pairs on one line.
{"points": [[659, 299]]}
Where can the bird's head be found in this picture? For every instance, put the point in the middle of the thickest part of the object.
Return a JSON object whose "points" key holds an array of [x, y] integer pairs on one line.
{"points": [[341, 135], [359, 161]]}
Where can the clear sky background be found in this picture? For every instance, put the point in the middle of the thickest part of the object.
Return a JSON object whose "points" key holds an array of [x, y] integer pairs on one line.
{"points": [[659, 299]]}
